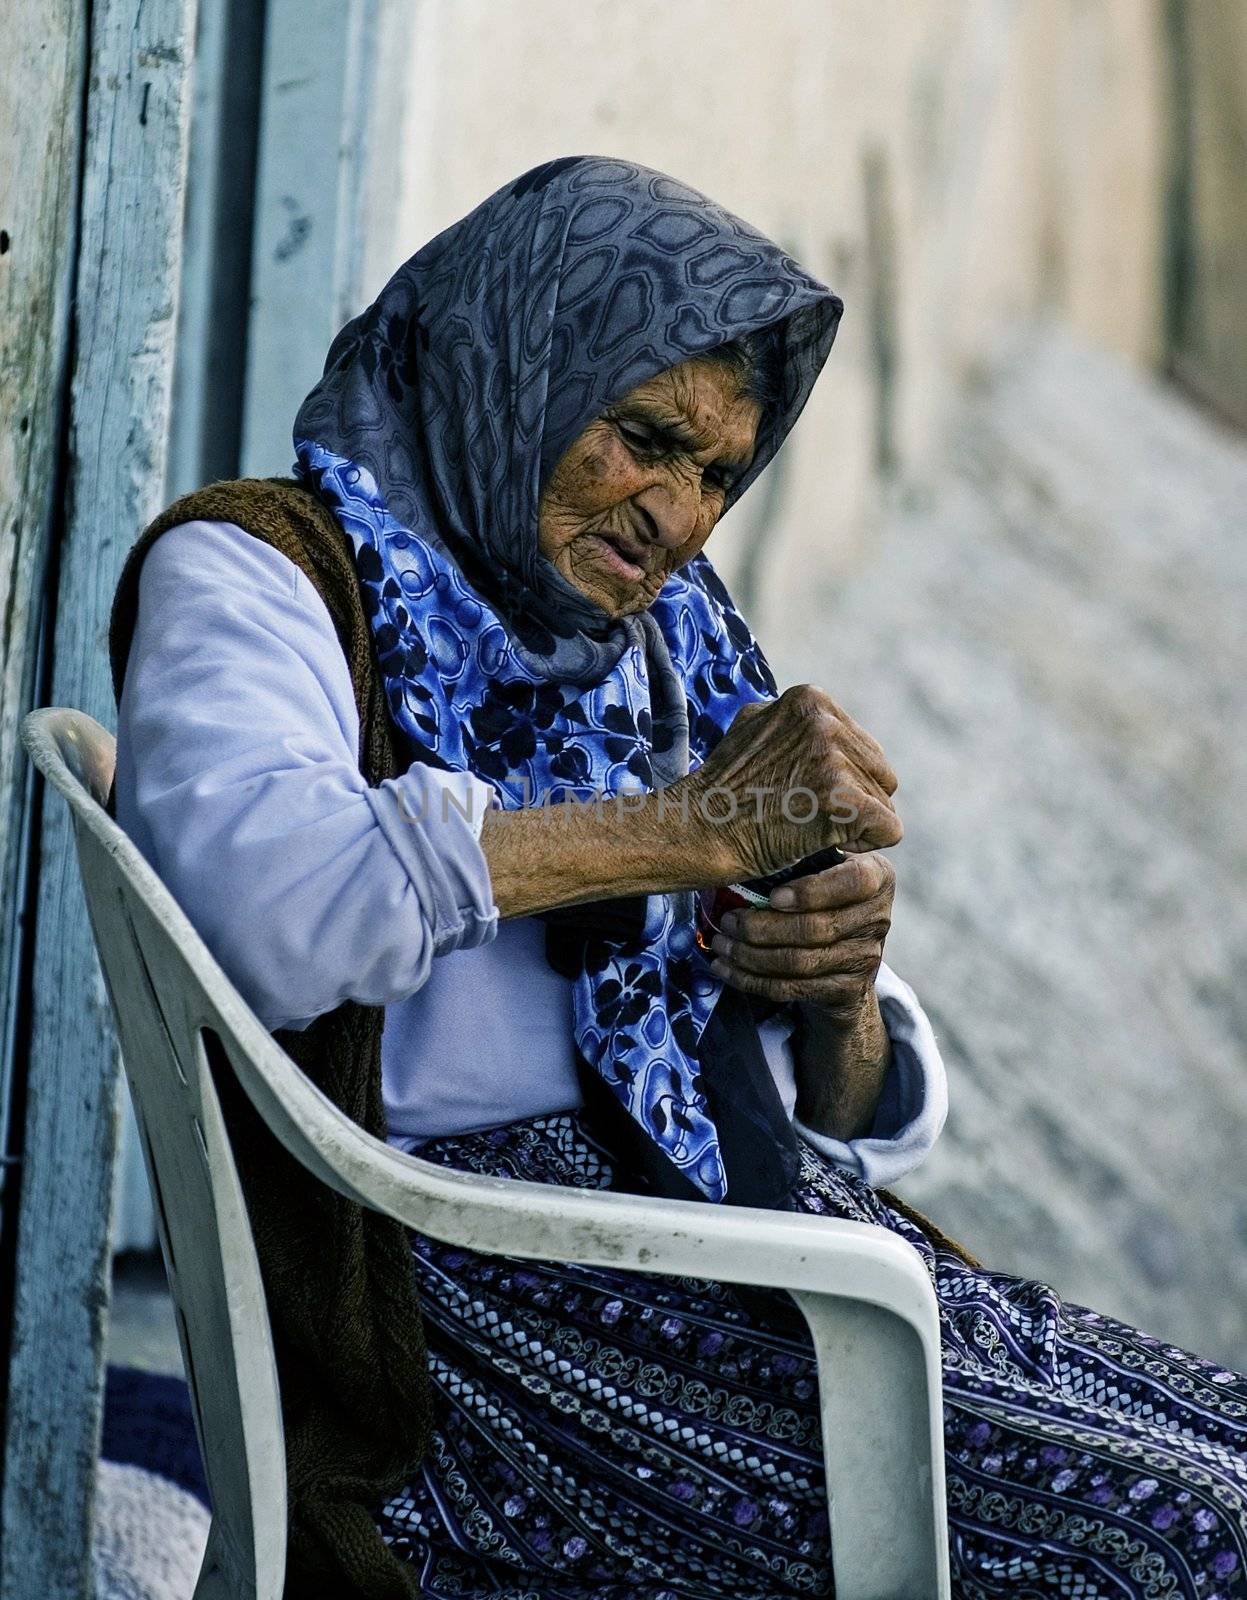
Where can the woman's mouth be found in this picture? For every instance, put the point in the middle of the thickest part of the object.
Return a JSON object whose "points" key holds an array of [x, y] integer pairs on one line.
{"points": [[615, 559]]}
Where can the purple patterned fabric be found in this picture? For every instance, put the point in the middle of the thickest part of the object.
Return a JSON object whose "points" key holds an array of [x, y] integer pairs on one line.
{"points": [[611, 1436]]}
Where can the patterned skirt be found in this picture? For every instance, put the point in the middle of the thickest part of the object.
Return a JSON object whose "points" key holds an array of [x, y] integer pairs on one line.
{"points": [[611, 1436]]}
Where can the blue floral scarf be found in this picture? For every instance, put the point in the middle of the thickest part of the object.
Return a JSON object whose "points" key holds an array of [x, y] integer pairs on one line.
{"points": [[441, 411]]}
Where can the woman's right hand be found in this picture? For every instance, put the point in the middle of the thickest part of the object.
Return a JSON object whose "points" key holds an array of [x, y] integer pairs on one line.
{"points": [[790, 777], [739, 816]]}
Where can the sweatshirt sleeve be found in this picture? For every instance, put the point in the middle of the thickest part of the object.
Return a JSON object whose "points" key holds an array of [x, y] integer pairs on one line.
{"points": [[914, 1102], [238, 778]]}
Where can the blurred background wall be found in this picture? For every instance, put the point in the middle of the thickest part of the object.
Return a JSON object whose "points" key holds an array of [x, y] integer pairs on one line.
{"points": [[1007, 535]]}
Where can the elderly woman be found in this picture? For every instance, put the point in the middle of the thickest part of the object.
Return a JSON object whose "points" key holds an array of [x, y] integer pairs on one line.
{"points": [[365, 712]]}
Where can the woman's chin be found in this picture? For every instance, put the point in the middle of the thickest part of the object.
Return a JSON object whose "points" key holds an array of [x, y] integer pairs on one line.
{"points": [[618, 605]]}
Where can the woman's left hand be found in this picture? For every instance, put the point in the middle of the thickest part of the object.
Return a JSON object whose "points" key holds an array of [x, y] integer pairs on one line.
{"points": [[819, 942]]}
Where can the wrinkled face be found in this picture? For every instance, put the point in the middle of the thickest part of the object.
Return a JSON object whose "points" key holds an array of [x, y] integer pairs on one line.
{"points": [[638, 493]]}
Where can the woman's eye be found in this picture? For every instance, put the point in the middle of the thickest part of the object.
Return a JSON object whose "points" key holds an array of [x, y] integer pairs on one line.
{"points": [[637, 438]]}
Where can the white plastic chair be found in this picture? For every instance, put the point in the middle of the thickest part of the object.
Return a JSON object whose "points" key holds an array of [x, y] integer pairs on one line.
{"points": [[865, 1293]]}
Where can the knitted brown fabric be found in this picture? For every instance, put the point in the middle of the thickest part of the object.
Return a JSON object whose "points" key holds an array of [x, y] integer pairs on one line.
{"points": [[936, 1235], [339, 1280]]}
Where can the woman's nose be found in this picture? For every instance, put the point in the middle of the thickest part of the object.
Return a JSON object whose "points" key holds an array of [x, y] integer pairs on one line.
{"points": [[671, 511]]}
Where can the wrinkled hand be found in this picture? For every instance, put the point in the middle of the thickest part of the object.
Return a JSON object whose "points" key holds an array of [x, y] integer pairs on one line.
{"points": [[820, 941], [788, 779]]}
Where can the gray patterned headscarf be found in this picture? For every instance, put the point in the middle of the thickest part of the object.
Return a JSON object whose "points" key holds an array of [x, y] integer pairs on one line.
{"points": [[490, 350]]}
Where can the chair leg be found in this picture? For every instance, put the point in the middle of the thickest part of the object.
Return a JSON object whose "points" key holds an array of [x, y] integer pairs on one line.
{"points": [[883, 1451]]}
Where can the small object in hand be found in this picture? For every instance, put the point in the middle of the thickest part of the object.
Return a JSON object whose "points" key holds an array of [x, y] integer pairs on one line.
{"points": [[714, 904]]}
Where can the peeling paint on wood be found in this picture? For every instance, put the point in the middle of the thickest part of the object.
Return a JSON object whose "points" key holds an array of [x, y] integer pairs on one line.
{"points": [[128, 260], [39, 133]]}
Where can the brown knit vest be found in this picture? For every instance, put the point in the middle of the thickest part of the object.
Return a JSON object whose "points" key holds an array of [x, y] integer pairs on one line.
{"points": [[339, 1279]]}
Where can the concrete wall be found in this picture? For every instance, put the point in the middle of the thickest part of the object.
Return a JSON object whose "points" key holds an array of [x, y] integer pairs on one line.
{"points": [[939, 163]]}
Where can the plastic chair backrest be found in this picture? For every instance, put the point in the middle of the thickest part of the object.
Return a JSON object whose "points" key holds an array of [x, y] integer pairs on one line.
{"points": [[150, 956]]}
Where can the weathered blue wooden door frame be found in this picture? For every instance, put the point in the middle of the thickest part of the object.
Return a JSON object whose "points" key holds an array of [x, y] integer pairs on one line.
{"points": [[92, 443], [124, 308]]}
